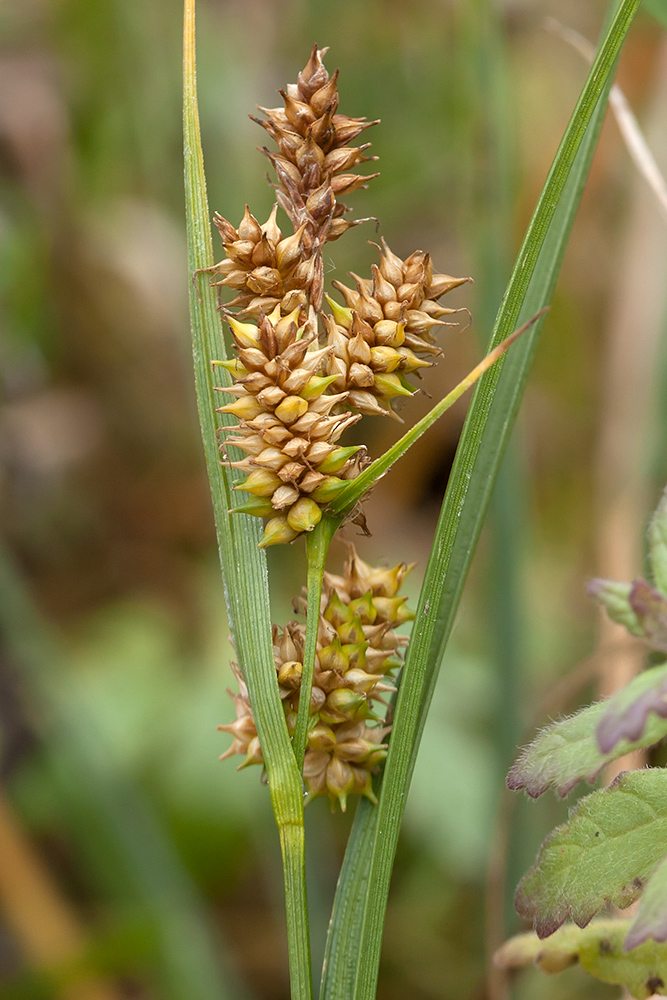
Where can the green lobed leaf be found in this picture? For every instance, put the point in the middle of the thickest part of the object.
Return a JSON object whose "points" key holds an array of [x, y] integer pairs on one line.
{"points": [[604, 853], [651, 920], [636, 713], [657, 534], [568, 751], [600, 949]]}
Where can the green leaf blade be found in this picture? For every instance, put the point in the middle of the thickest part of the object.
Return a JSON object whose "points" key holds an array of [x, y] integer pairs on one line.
{"points": [[487, 429], [453, 547], [243, 565], [604, 853]]}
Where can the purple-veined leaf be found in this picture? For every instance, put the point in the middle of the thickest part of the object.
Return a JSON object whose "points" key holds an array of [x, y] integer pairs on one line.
{"points": [[650, 608], [567, 751], [634, 713]]}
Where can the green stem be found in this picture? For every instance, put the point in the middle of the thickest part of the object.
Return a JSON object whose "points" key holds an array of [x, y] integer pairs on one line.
{"points": [[293, 850], [317, 546]]}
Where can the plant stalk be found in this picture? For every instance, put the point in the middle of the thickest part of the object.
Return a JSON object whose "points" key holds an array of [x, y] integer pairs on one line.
{"points": [[244, 568], [317, 546]]}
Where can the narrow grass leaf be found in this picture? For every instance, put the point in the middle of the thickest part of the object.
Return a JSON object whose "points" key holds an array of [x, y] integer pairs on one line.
{"points": [[243, 564], [490, 419]]}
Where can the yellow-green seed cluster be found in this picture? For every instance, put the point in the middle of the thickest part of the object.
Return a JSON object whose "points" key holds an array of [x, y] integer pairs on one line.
{"points": [[288, 426], [357, 649], [387, 324]]}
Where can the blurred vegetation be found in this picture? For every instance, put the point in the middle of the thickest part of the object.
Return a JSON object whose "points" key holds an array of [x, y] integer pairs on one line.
{"points": [[132, 863]]}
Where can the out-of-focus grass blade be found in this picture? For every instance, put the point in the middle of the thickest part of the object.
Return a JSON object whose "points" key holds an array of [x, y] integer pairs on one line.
{"points": [[114, 817], [243, 564], [658, 8], [351, 969]]}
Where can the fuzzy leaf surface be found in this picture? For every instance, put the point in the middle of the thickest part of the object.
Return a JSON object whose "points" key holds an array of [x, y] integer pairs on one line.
{"points": [[606, 852], [637, 713], [651, 921], [657, 533], [601, 951], [577, 748]]}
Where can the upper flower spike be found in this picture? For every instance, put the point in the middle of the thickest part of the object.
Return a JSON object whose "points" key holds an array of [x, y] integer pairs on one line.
{"points": [[313, 161]]}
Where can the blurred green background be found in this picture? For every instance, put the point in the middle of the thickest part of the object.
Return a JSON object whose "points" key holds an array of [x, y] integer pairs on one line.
{"points": [[132, 862]]}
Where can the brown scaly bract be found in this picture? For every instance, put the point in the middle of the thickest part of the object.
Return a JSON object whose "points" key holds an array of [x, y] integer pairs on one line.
{"points": [[356, 650], [311, 163]]}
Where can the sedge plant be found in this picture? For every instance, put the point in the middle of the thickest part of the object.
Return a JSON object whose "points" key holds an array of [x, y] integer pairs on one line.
{"points": [[334, 704]]}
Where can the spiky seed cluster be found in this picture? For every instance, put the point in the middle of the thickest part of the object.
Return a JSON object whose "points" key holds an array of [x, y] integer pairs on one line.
{"points": [[356, 650], [295, 395], [288, 427], [312, 169], [387, 324], [264, 269]]}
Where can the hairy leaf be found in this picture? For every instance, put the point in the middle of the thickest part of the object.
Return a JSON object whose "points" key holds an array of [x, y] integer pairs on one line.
{"points": [[605, 852], [615, 598], [651, 921], [657, 532], [628, 715], [601, 951], [571, 750]]}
